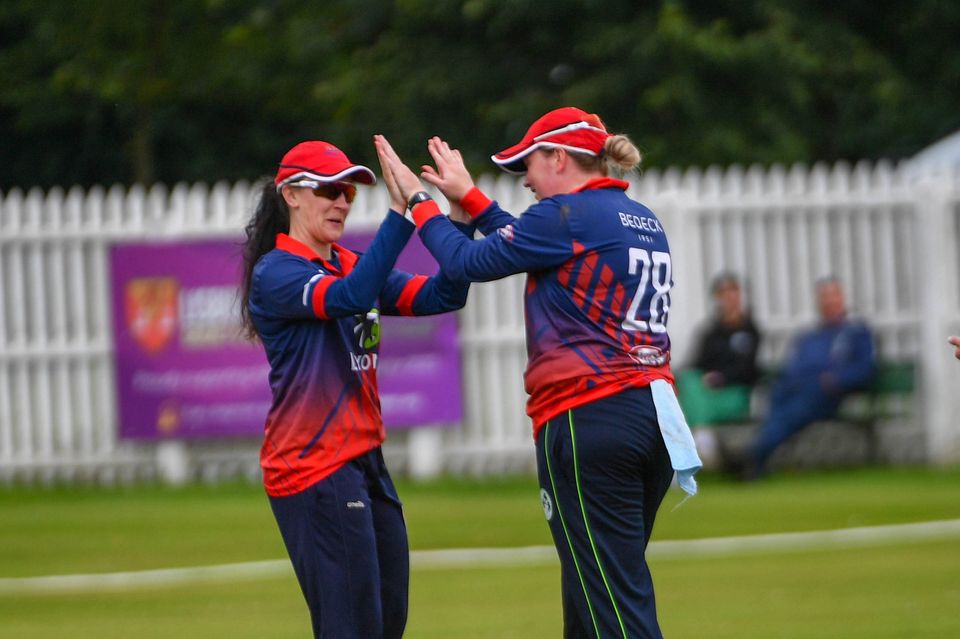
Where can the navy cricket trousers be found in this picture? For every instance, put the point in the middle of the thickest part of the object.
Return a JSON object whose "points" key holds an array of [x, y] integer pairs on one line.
{"points": [[603, 471], [348, 544]]}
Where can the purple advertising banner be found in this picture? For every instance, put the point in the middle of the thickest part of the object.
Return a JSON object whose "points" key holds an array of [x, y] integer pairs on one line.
{"points": [[183, 371]]}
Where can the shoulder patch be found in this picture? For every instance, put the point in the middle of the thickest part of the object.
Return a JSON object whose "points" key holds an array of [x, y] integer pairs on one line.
{"points": [[306, 287]]}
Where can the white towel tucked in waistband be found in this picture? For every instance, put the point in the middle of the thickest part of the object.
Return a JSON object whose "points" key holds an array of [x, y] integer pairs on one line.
{"points": [[676, 435]]}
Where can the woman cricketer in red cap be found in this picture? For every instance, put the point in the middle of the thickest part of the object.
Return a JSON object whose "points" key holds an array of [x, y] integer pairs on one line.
{"points": [[316, 308], [608, 429]]}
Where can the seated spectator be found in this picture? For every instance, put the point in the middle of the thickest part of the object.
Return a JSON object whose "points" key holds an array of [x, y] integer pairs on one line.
{"points": [[824, 365], [717, 388]]}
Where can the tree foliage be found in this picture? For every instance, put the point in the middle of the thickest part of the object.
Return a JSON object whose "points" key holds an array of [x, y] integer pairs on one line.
{"points": [[143, 90]]}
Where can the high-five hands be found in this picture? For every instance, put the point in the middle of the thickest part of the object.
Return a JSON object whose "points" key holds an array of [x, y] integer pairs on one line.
{"points": [[405, 180], [451, 175], [397, 202]]}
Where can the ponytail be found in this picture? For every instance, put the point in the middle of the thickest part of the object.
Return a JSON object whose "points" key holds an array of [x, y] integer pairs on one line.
{"points": [[620, 155], [270, 217]]}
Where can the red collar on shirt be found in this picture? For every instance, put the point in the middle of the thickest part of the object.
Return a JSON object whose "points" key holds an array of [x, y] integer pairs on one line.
{"points": [[347, 257], [602, 183]]}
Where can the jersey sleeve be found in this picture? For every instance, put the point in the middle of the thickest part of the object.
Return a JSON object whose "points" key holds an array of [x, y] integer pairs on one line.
{"points": [[493, 219], [539, 239], [486, 213], [294, 288], [410, 294]]}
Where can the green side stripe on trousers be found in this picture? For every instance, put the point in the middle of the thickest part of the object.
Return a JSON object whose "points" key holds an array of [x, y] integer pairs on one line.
{"points": [[586, 525], [563, 523]]}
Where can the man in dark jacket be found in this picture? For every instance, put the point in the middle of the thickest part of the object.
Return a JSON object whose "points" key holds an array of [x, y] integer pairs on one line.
{"points": [[824, 365]]}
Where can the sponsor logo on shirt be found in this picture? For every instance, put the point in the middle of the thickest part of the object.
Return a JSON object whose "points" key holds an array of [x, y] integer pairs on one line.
{"points": [[367, 329], [649, 356], [363, 362], [367, 332], [646, 224], [506, 232]]}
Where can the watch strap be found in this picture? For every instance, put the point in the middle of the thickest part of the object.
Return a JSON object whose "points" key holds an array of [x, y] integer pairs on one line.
{"points": [[417, 198]]}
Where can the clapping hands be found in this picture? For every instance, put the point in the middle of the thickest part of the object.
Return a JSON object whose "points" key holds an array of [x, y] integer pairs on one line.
{"points": [[401, 181], [450, 175]]}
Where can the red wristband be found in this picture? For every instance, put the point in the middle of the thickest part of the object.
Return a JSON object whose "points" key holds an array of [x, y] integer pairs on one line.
{"points": [[424, 211], [475, 202]]}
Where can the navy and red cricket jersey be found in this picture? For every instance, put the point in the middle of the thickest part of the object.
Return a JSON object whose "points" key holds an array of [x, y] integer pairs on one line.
{"points": [[597, 294], [319, 322]]}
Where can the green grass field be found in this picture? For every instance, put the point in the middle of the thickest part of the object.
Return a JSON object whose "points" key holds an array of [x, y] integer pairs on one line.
{"points": [[908, 588]]}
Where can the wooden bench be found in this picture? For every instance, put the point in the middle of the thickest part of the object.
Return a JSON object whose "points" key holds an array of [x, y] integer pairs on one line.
{"points": [[889, 396]]}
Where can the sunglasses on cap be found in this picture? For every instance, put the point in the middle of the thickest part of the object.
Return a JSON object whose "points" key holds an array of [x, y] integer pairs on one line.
{"points": [[329, 190]]}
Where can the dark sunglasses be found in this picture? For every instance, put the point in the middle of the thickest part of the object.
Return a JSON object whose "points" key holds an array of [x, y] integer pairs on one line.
{"points": [[330, 190]]}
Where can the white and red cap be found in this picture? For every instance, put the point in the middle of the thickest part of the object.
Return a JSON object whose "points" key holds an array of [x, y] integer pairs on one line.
{"points": [[565, 128], [320, 161]]}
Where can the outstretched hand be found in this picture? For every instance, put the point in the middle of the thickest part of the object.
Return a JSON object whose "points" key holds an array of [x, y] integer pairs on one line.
{"points": [[397, 201], [395, 172], [451, 175], [956, 342]]}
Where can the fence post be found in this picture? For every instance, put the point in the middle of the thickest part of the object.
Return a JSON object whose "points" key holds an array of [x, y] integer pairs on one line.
{"points": [[937, 251], [425, 448], [173, 462]]}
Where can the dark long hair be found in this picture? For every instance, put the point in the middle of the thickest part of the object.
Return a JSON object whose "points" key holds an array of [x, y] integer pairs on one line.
{"points": [[270, 217]]}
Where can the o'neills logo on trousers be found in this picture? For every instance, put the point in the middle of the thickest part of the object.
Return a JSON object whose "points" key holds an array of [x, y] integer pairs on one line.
{"points": [[363, 362]]}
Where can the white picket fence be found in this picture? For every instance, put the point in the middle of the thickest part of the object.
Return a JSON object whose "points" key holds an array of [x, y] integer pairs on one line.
{"points": [[890, 235]]}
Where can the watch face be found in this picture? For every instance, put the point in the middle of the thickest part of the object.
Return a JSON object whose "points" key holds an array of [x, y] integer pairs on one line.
{"points": [[417, 198]]}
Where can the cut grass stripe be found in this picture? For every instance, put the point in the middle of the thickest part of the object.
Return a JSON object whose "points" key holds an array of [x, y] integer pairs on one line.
{"points": [[804, 541], [473, 558]]}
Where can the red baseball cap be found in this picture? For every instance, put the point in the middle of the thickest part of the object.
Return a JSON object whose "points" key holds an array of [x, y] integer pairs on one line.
{"points": [[320, 161], [567, 128]]}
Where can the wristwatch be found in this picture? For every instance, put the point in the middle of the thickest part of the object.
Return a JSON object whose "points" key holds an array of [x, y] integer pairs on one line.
{"points": [[417, 198]]}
